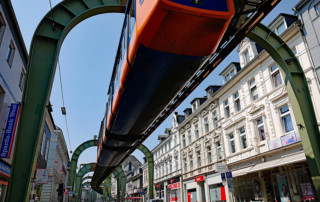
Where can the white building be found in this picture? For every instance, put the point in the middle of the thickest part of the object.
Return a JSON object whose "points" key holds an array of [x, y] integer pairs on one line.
{"points": [[13, 62], [248, 125], [58, 159], [167, 167]]}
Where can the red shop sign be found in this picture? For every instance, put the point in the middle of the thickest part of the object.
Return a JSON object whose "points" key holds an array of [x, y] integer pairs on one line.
{"points": [[199, 179], [174, 186], [174, 199]]}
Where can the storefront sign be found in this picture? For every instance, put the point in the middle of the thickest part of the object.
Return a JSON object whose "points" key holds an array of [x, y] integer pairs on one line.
{"points": [[174, 199], [5, 170], [42, 176], [10, 130], [223, 177], [199, 179], [288, 139], [229, 174], [174, 186], [220, 167], [274, 143]]}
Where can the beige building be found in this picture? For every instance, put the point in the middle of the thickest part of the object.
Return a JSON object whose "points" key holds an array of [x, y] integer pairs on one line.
{"points": [[248, 125]]}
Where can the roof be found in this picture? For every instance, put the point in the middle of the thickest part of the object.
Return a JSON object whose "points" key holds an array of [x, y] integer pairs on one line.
{"points": [[300, 4], [285, 15], [201, 99], [236, 64]]}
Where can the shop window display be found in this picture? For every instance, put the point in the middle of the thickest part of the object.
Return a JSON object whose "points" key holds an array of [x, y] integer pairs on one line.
{"points": [[249, 190]]}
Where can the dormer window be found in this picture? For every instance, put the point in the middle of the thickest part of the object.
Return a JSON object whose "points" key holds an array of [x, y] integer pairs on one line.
{"points": [[227, 77], [281, 28], [2, 27], [246, 56], [232, 73], [317, 7], [194, 106]]}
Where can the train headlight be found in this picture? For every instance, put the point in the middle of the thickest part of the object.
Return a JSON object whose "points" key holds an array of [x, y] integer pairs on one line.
{"points": [[197, 2]]}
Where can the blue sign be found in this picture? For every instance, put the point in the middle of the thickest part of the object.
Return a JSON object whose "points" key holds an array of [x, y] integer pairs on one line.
{"points": [[229, 174], [5, 170], [223, 177], [10, 130]]}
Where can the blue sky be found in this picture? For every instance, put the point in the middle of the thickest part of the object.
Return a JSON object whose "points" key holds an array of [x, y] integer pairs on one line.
{"points": [[86, 58]]}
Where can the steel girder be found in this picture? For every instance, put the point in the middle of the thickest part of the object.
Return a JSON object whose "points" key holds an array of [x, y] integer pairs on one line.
{"points": [[299, 95], [121, 182], [75, 157], [44, 52], [149, 157], [86, 168]]}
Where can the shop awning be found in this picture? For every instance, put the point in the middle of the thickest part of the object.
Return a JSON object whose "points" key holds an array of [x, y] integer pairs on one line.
{"points": [[284, 160], [241, 171]]}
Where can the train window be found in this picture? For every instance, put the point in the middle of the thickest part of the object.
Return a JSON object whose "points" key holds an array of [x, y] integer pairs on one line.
{"points": [[132, 17]]}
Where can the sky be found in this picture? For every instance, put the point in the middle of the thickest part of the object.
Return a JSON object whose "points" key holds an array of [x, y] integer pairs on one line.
{"points": [[86, 61]]}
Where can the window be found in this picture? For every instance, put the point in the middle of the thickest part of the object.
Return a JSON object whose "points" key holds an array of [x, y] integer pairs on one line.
{"points": [[2, 95], [189, 136], [170, 166], [215, 119], [294, 51], [260, 127], [243, 138], [191, 162], [47, 151], [185, 164], [227, 77], [281, 28], [219, 152], [253, 89], [226, 108], [206, 125], [176, 163], [232, 73], [196, 131], [43, 142], [183, 140], [209, 157], [199, 159], [2, 27], [232, 144], [174, 140], [276, 76], [246, 57], [237, 101], [317, 7], [10, 54], [318, 73], [286, 119]]}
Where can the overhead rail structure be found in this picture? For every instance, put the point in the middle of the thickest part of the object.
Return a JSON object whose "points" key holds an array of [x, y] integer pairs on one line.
{"points": [[46, 44]]}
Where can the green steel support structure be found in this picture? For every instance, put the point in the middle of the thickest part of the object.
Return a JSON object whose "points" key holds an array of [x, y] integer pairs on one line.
{"points": [[107, 188], [43, 55], [86, 168], [75, 157], [121, 182], [299, 96], [149, 157]]}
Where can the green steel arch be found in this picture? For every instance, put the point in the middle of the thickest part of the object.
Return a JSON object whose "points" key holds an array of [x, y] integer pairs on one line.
{"points": [[299, 96], [44, 52], [107, 188], [75, 157], [149, 157], [86, 168], [121, 182]]}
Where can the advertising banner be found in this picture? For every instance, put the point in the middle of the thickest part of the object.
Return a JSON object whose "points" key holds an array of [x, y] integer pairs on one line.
{"points": [[10, 130], [5, 170], [42, 176]]}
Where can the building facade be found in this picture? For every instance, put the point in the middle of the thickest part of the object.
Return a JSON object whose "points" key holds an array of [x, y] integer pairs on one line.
{"points": [[245, 130], [167, 172], [58, 162], [13, 63]]}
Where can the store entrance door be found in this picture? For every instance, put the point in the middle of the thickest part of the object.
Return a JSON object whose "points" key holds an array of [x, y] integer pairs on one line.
{"points": [[192, 195]]}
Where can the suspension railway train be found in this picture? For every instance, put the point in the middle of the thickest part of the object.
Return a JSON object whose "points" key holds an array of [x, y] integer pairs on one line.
{"points": [[162, 44]]}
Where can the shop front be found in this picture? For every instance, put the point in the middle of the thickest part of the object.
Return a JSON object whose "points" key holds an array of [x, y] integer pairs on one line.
{"points": [[5, 171], [159, 190], [276, 182], [174, 192], [216, 189]]}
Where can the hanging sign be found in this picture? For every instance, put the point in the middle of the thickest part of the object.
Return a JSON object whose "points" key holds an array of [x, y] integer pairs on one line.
{"points": [[10, 130]]}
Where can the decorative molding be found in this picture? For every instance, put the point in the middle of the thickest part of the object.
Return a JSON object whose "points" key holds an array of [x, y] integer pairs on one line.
{"points": [[188, 126], [195, 120], [256, 108], [204, 113]]}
